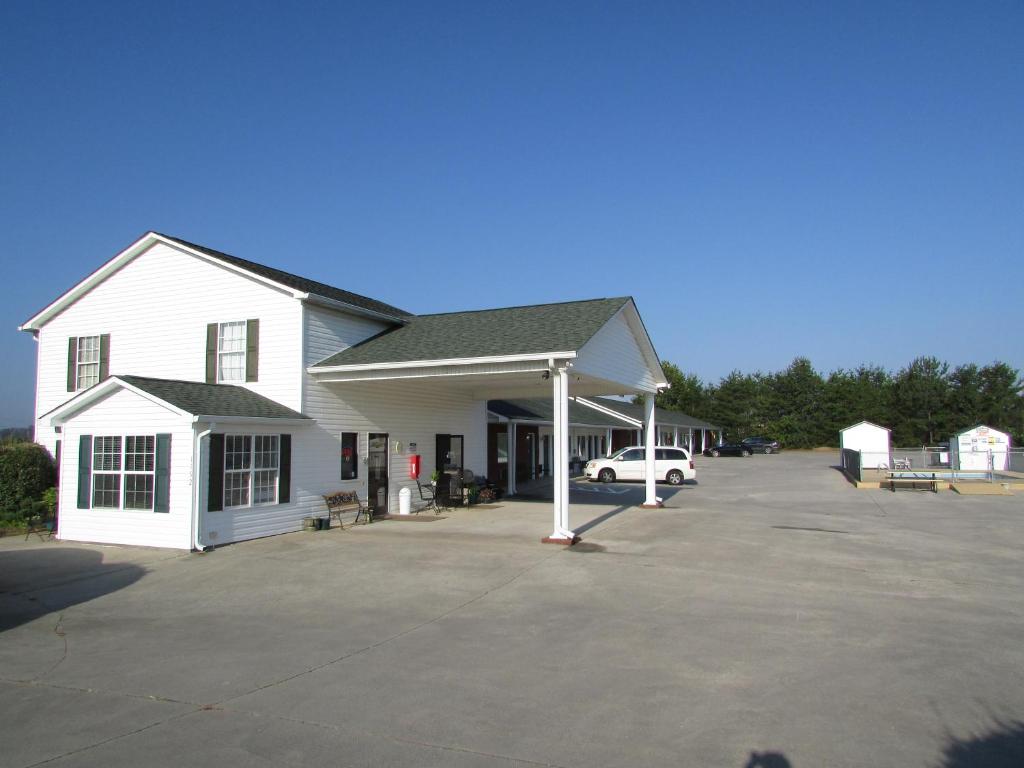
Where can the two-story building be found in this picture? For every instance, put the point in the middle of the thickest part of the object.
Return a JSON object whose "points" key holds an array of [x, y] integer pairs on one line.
{"points": [[194, 398]]}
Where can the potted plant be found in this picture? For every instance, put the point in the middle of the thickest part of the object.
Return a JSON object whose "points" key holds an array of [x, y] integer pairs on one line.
{"points": [[435, 476], [474, 493]]}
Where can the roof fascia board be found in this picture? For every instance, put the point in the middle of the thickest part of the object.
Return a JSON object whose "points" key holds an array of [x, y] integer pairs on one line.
{"points": [[130, 253], [83, 400], [271, 420], [455, 361], [341, 306], [636, 324]]}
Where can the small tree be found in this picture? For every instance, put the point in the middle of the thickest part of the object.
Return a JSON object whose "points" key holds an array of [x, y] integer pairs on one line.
{"points": [[26, 471]]}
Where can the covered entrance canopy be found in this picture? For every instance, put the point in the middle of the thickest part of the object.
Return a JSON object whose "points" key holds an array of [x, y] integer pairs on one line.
{"points": [[580, 348]]}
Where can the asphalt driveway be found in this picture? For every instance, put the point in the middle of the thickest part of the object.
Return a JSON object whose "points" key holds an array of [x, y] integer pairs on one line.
{"points": [[771, 615]]}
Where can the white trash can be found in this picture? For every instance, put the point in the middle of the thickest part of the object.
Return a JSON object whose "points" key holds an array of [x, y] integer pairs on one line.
{"points": [[404, 501]]}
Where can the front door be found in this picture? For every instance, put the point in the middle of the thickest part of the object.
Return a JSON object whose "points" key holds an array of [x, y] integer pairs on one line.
{"points": [[377, 473]]}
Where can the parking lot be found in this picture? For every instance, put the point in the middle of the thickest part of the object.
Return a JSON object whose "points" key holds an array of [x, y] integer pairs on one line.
{"points": [[770, 615]]}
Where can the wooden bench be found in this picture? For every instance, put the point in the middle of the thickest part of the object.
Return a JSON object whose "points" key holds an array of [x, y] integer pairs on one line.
{"points": [[903, 478], [340, 502]]}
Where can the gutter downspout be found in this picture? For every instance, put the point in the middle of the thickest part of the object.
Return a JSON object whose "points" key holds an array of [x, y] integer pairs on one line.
{"points": [[197, 442]]}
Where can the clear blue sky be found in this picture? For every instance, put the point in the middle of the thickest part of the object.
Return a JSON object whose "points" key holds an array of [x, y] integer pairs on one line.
{"points": [[843, 181]]}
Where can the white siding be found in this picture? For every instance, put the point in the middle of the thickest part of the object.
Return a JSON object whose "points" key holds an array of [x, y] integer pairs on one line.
{"points": [[126, 413], [156, 309], [242, 523], [408, 412], [614, 354], [871, 440]]}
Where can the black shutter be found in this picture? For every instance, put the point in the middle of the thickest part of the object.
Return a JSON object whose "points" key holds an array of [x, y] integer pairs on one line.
{"points": [[215, 487], [252, 350], [162, 479], [211, 353], [72, 359], [284, 472], [84, 471], [56, 460], [104, 356]]}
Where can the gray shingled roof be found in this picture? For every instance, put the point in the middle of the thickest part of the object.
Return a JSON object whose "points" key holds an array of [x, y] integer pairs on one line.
{"points": [[664, 416], [222, 400], [298, 283], [485, 333], [542, 410]]}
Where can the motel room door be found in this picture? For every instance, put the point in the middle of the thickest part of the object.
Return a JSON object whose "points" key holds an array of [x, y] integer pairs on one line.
{"points": [[377, 473]]}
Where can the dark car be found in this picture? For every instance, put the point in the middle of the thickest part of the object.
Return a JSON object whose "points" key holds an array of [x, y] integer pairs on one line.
{"points": [[761, 444], [729, 449]]}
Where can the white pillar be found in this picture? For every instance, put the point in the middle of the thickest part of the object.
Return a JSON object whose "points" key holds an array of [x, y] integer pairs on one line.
{"points": [[675, 436], [608, 442], [511, 458], [560, 398], [650, 432]]}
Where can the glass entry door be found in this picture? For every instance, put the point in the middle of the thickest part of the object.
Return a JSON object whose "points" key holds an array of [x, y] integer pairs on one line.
{"points": [[377, 473]]}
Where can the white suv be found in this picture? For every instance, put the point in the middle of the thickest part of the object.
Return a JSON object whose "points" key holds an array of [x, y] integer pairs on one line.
{"points": [[673, 465]]}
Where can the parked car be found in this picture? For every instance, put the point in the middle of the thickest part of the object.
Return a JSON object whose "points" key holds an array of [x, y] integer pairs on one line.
{"points": [[761, 444], [729, 449], [673, 465]]}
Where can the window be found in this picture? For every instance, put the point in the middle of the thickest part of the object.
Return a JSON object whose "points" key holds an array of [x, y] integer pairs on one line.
{"points": [[231, 351], [251, 470], [87, 362], [123, 472], [349, 455]]}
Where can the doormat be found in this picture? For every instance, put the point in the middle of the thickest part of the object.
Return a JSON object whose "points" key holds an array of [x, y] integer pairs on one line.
{"points": [[486, 506], [408, 518]]}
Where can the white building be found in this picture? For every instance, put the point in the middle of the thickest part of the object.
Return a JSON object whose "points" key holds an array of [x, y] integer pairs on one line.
{"points": [[980, 448], [871, 440], [194, 398]]}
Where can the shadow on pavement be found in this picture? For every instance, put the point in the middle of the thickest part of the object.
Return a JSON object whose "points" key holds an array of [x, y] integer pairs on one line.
{"points": [[1000, 747], [768, 760], [38, 581]]}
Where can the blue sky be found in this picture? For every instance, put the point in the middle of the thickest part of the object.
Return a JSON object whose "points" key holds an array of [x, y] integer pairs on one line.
{"points": [[842, 181]]}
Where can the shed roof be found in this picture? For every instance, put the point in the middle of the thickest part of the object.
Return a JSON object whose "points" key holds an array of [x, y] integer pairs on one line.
{"points": [[543, 410], [220, 400], [535, 329], [664, 416]]}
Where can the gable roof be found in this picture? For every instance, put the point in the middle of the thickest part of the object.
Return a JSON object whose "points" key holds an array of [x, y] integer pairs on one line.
{"points": [[221, 401], [536, 329], [303, 284], [665, 416], [543, 410], [299, 287], [869, 423]]}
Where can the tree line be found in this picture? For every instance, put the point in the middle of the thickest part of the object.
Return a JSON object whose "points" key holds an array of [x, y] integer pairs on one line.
{"points": [[924, 403]]}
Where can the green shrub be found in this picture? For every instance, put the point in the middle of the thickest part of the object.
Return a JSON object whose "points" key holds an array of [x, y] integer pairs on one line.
{"points": [[26, 471]]}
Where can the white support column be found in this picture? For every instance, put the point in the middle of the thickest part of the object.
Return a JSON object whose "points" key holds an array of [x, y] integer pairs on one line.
{"points": [[560, 395], [608, 442], [511, 458], [650, 432], [675, 436]]}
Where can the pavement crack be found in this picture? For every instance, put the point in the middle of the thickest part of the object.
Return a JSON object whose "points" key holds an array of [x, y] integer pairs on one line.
{"points": [[118, 737], [58, 630]]}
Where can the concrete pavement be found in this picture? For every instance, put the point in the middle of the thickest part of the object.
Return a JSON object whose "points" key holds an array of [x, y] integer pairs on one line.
{"points": [[769, 609]]}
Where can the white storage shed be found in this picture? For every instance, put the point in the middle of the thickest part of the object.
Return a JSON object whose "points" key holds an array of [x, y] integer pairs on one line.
{"points": [[971, 449], [870, 439]]}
